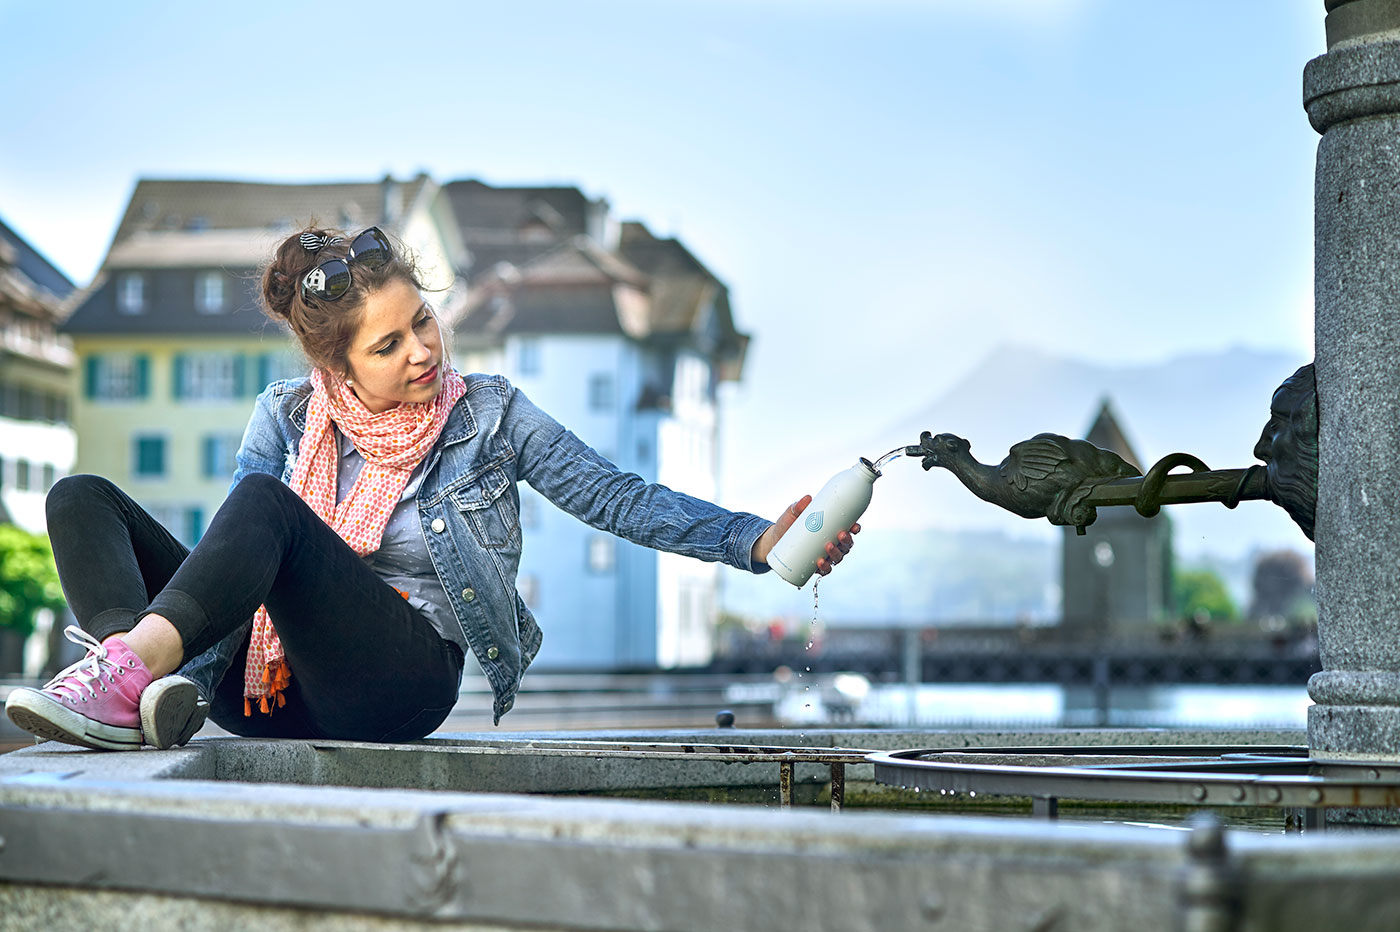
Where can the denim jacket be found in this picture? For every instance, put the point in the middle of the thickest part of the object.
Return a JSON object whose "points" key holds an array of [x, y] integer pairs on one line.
{"points": [[469, 507]]}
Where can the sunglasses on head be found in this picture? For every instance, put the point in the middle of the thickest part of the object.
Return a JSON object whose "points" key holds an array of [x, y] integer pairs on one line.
{"points": [[331, 279]]}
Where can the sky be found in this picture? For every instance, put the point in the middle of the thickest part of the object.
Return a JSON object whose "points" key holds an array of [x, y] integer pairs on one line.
{"points": [[890, 188]]}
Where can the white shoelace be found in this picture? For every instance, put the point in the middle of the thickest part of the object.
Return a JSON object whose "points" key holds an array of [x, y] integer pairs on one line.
{"points": [[85, 672]]}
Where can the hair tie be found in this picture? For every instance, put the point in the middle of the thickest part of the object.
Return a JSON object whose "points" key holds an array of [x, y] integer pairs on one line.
{"points": [[314, 242]]}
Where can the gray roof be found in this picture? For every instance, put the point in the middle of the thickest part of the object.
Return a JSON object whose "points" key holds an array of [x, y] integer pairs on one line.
{"points": [[515, 224], [174, 230], [486, 211], [38, 274], [653, 254], [198, 205], [650, 289], [535, 266], [1107, 434], [170, 305], [576, 287]]}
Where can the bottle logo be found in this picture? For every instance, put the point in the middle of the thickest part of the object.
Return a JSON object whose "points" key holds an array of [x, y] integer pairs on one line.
{"points": [[813, 522]]}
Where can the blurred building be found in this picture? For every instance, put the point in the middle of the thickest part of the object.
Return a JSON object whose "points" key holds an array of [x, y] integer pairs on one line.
{"points": [[1117, 577], [172, 347], [36, 437], [623, 337]]}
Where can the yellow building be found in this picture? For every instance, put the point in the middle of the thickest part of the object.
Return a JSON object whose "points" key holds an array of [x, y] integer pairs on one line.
{"points": [[162, 416], [171, 346]]}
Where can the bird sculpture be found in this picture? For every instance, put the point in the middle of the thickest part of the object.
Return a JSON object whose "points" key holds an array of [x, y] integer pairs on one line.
{"points": [[1047, 476]]}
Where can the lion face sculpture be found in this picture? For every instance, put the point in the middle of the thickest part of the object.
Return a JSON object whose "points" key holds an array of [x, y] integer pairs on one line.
{"points": [[1288, 448]]}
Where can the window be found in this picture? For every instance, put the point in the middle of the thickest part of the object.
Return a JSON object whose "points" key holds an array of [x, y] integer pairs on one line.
{"points": [[692, 379], [192, 525], [131, 293], [208, 376], [116, 377], [186, 523], [50, 476], [168, 516], [600, 391], [209, 293], [27, 408], [148, 457], [273, 367], [22, 475], [58, 409], [220, 455], [602, 553], [527, 361]]}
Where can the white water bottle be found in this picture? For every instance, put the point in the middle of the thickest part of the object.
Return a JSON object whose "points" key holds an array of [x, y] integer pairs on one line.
{"points": [[837, 506]]}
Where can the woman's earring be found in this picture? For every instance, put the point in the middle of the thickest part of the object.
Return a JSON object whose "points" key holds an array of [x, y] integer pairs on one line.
{"points": [[349, 381]]}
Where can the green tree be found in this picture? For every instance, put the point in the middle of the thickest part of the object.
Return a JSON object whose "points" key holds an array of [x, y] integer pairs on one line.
{"points": [[1202, 592], [28, 578]]}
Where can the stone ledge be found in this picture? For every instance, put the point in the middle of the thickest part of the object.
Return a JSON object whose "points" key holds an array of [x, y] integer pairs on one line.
{"points": [[175, 836]]}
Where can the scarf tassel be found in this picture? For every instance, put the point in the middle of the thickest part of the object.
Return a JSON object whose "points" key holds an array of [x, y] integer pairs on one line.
{"points": [[277, 676]]}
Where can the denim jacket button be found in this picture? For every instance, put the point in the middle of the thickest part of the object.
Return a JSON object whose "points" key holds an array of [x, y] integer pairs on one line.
{"points": [[439, 525], [492, 653], [469, 594]]}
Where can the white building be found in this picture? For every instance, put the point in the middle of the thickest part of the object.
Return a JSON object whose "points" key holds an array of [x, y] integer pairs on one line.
{"points": [[37, 444], [623, 337]]}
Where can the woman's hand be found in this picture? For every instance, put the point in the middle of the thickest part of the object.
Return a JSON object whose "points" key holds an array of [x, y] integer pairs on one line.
{"points": [[834, 551]]}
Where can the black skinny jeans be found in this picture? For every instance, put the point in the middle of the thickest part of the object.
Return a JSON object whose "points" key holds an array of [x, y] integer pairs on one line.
{"points": [[365, 664]]}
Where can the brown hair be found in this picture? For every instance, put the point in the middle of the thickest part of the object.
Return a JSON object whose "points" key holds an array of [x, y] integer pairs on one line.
{"points": [[325, 328]]}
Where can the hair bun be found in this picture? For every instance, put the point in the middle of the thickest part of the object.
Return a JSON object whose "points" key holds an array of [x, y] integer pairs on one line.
{"points": [[279, 290]]}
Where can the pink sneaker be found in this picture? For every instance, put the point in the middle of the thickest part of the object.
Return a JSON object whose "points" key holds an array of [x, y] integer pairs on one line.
{"points": [[95, 703]]}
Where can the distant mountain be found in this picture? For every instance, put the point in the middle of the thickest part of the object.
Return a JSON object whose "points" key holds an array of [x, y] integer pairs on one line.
{"points": [[916, 553]]}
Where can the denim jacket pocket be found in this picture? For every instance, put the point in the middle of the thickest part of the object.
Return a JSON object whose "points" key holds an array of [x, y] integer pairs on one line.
{"points": [[491, 511]]}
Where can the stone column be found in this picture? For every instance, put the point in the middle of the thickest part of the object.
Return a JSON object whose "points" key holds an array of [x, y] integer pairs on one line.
{"points": [[1352, 96]]}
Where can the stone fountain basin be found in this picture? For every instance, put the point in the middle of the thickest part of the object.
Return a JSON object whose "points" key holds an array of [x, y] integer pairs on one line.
{"points": [[305, 834]]}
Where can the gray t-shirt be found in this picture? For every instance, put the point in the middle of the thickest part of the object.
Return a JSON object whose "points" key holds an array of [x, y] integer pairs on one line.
{"points": [[402, 559]]}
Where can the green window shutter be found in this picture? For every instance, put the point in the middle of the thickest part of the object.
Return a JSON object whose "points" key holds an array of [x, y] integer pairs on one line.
{"points": [[240, 375], [177, 386], [143, 375], [90, 375], [210, 452], [194, 524], [150, 456], [264, 371]]}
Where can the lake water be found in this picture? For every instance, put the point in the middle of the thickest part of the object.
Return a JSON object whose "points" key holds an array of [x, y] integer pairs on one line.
{"points": [[1035, 705]]}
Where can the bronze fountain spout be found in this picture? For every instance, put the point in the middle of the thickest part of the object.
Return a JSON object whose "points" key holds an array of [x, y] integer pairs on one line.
{"points": [[1067, 481]]}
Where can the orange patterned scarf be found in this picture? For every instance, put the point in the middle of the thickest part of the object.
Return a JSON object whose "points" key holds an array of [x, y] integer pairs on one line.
{"points": [[392, 444]]}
